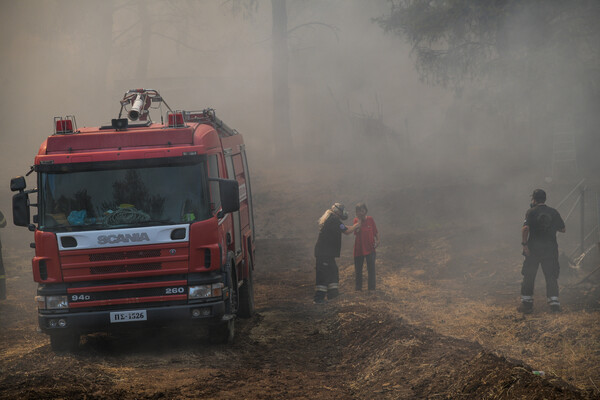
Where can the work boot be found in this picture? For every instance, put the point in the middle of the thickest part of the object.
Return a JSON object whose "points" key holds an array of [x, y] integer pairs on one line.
{"points": [[333, 290], [319, 297], [554, 304], [526, 307], [332, 293]]}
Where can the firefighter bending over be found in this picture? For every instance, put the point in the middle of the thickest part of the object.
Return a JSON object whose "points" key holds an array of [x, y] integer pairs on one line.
{"points": [[2, 274], [329, 244], [538, 237]]}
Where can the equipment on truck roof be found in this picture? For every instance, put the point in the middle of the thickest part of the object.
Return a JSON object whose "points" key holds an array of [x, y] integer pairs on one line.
{"points": [[140, 101]]}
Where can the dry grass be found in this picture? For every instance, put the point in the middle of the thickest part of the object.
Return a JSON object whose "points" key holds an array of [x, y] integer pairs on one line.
{"points": [[564, 345]]}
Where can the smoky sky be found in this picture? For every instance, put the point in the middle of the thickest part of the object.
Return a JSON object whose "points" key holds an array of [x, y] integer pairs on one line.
{"points": [[357, 104]]}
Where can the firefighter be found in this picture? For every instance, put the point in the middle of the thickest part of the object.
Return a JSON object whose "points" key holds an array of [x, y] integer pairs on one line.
{"points": [[538, 238], [2, 275], [327, 248]]}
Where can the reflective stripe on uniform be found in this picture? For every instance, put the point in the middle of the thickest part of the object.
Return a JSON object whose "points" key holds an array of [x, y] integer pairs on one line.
{"points": [[553, 300], [332, 286], [321, 288], [526, 299]]}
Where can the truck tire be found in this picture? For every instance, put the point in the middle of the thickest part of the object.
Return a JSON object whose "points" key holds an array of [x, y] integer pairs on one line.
{"points": [[223, 332], [62, 342], [246, 308], [233, 302]]}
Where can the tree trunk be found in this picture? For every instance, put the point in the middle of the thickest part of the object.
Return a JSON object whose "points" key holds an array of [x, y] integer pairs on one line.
{"points": [[144, 57], [103, 48], [282, 133], [94, 46]]}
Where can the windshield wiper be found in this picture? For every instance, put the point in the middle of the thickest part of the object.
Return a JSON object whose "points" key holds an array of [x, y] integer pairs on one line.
{"points": [[89, 227], [154, 222]]}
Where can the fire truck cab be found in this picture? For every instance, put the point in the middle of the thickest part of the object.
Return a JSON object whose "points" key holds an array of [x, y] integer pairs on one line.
{"points": [[140, 223]]}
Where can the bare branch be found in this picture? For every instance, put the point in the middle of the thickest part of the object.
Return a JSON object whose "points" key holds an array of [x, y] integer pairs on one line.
{"points": [[124, 31], [331, 27], [179, 42]]}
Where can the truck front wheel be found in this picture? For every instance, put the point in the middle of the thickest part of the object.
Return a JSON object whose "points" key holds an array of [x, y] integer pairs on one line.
{"points": [[64, 341], [224, 331]]}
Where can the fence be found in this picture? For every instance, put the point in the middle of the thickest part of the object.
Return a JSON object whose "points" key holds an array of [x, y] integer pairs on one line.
{"points": [[577, 198]]}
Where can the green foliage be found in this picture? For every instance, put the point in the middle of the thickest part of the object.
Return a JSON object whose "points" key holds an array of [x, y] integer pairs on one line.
{"points": [[535, 63], [455, 40], [246, 8]]}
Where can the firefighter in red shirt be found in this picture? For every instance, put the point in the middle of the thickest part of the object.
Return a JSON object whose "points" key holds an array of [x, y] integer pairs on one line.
{"points": [[367, 239]]}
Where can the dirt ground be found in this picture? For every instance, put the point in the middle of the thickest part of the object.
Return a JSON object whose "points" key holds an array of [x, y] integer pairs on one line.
{"points": [[442, 324]]}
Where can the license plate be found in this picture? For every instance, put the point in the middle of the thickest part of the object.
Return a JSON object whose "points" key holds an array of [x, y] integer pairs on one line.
{"points": [[128, 316]]}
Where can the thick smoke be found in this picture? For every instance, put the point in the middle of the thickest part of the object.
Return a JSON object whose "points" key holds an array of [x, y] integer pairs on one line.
{"points": [[359, 113]]}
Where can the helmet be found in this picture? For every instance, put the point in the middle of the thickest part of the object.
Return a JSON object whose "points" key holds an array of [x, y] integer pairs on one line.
{"points": [[340, 210]]}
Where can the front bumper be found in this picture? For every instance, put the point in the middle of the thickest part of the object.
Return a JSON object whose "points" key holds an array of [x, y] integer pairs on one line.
{"points": [[93, 321]]}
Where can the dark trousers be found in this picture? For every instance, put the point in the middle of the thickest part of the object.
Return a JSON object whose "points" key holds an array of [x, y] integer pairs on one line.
{"points": [[550, 268], [358, 268], [327, 282]]}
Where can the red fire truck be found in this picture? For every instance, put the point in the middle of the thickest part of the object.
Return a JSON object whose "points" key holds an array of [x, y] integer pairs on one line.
{"points": [[140, 223]]}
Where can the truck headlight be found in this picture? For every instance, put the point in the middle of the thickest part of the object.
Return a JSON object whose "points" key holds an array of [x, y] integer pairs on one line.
{"points": [[56, 302], [199, 292], [205, 291]]}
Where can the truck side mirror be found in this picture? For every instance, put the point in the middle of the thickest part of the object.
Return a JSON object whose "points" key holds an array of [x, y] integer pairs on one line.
{"points": [[17, 184], [21, 216], [230, 196]]}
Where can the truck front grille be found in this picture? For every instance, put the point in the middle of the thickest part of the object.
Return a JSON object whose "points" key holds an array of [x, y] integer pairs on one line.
{"points": [[113, 269], [125, 255]]}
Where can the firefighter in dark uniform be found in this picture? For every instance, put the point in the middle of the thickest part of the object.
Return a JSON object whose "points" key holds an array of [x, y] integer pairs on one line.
{"points": [[329, 244], [2, 275], [538, 238]]}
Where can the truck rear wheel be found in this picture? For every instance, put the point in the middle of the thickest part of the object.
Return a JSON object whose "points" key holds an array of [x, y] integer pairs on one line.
{"points": [[232, 302], [64, 341], [246, 309]]}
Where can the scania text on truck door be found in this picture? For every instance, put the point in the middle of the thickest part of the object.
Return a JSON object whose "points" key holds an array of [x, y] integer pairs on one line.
{"points": [[140, 223]]}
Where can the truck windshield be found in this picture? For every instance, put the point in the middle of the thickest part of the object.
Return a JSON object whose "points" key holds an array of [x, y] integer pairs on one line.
{"points": [[122, 197]]}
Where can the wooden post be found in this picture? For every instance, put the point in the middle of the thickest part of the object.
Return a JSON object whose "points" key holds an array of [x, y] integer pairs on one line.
{"points": [[598, 217], [582, 228]]}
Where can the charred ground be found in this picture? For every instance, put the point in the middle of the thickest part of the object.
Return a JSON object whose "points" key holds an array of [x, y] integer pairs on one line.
{"points": [[443, 323]]}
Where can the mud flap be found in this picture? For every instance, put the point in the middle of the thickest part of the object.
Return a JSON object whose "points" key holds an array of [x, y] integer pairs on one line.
{"points": [[246, 296], [223, 332]]}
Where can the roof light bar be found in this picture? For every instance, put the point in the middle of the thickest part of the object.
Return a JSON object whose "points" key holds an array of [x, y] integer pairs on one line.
{"points": [[65, 125], [175, 119]]}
